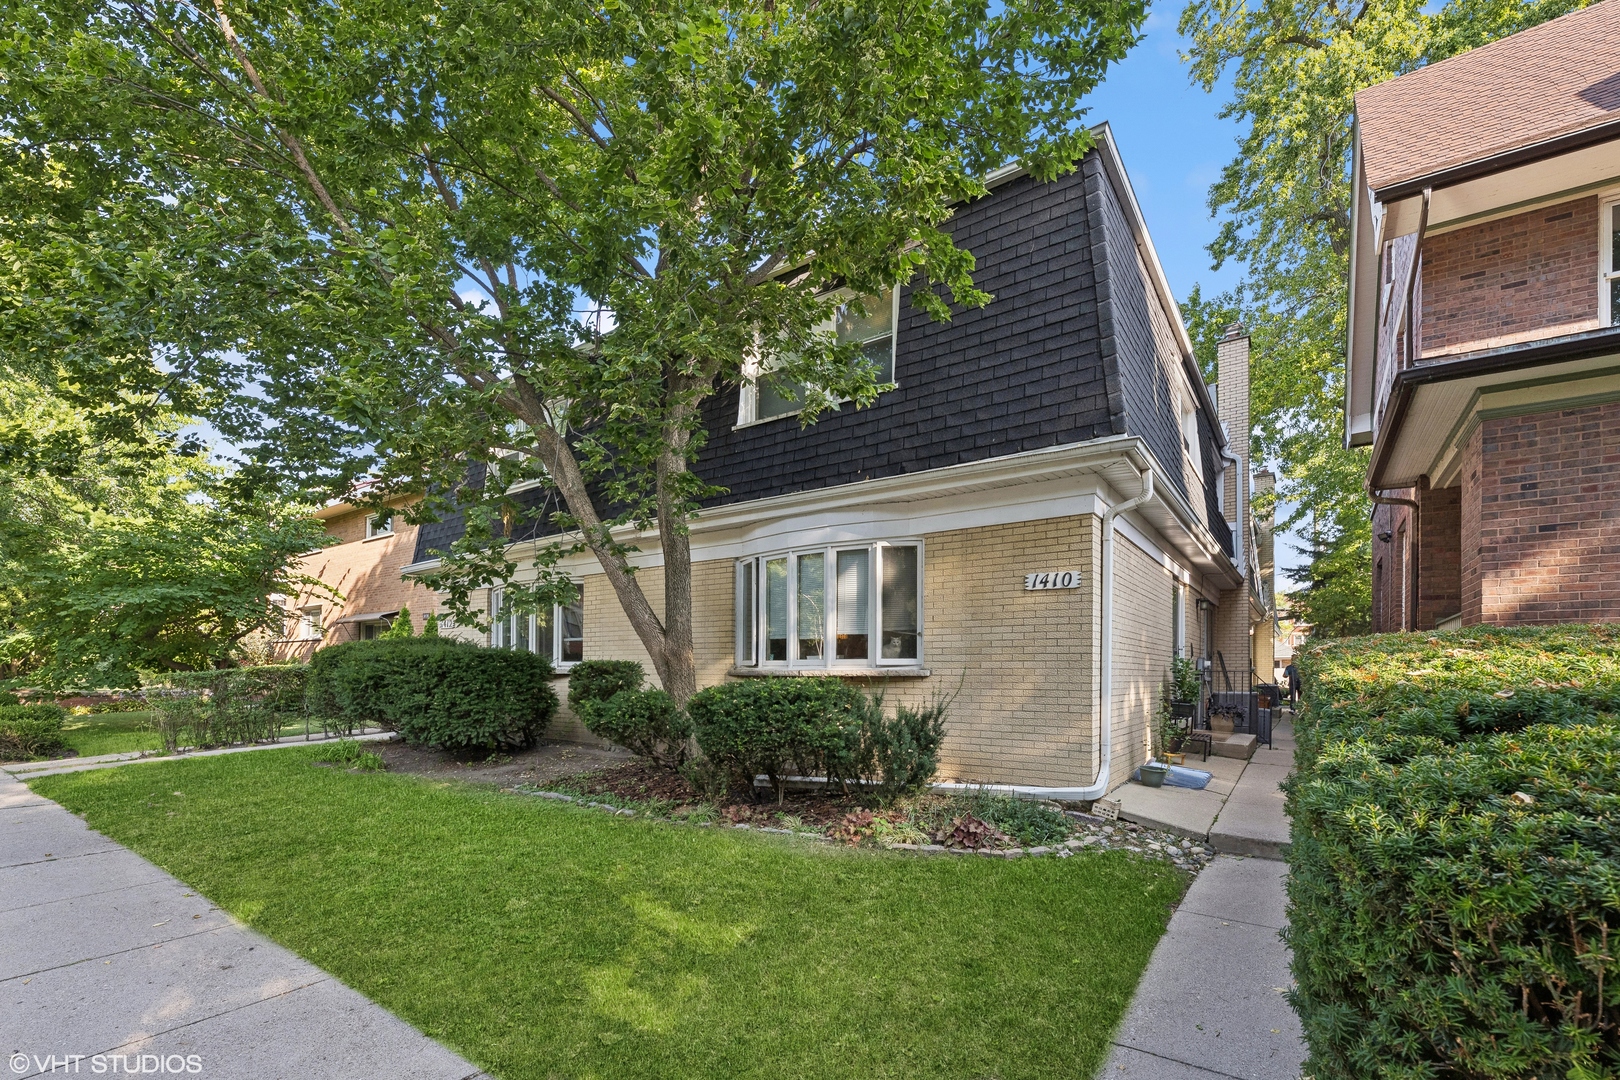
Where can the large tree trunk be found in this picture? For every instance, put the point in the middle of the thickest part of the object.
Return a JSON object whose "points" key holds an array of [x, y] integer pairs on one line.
{"points": [[680, 674], [668, 641]]}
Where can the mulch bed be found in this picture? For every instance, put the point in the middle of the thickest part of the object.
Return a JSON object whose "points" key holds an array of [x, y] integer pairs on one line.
{"points": [[642, 781]]}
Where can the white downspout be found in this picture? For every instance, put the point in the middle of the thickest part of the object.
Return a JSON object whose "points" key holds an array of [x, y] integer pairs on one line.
{"points": [[1237, 528], [1106, 659]]}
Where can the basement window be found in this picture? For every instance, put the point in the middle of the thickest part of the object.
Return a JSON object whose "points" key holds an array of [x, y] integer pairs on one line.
{"points": [[831, 607]]}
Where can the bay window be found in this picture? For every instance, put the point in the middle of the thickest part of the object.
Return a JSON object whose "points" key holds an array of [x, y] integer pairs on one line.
{"points": [[834, 599], [557, 632]]}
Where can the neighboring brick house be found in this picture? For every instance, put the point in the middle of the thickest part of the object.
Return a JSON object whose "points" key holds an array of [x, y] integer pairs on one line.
{"points": [[365, 567], [954, 537], [1484, 351]]}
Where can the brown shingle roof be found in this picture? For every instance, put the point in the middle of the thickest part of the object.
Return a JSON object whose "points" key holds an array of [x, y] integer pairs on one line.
{"points": [[1550, 80]]}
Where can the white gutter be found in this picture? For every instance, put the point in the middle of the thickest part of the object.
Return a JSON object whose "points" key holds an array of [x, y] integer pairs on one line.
{"points": [[1106, 690], [1099, 788], [1237, 525]]}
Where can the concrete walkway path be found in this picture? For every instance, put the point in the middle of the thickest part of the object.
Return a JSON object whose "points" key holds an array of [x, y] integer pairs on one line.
{"points": [[1211, 1003], [102, 953]]}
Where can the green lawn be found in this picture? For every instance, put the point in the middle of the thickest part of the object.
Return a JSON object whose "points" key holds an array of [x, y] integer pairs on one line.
{"points": [[109, 733], [546, 940]]}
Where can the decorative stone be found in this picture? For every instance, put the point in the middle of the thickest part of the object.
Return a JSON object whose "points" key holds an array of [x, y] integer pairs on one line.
{"points": [[1040, 851]]}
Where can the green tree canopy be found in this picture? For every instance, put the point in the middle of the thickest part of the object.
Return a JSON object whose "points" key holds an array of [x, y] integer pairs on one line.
{"points": [[1284, 205], [402, 238], [130, 555]]}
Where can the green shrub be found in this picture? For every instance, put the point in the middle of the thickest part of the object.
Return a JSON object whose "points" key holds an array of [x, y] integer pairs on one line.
{"points": [[400, 628], [1455, 864], [904, 748], [349, 754], [241, 705], [778, 727], [435, 692], [1185, 685], [645, 722], [8, 698], [598, 680], [30, 731]]}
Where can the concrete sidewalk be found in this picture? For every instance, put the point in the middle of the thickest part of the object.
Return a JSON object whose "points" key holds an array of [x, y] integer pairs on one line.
{"points": [[1211, 1003], [1239, 813], [102, 953]]}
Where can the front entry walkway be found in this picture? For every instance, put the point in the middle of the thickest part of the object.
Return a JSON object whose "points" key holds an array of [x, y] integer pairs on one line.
{"points": [[1212, 1002], [102, 953]]}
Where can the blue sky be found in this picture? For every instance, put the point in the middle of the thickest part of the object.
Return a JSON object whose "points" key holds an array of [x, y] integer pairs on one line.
{"points": [[1174, 145]]}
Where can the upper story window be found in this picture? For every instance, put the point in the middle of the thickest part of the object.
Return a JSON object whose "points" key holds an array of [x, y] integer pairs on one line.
{"points": [[766, 396], [857, 606], [1609, 255], [1189, 433], [558, 633], [374, 529]]}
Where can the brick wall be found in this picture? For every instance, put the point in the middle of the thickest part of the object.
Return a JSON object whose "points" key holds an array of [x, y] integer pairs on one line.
{"points": [[1143, 643], [1437, 553], [366, 573], [1529, 276], [1541, 518]]}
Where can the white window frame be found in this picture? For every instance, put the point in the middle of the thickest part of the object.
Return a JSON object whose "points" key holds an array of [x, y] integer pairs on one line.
{"points": [[503, 630], [750, 651], [374, 532], [1607, 270], [309, 623], [754, 366]]}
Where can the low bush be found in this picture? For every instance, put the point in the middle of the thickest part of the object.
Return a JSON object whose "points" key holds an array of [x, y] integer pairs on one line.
{"points": [[349, 754], [598, 680], [778, 727], [645, 722], [30, 731], [1455, 865], [435, 692], [244, 704]]}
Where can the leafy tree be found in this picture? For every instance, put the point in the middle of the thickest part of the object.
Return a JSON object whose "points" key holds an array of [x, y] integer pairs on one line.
{"points": [[464, 244], [1284, 201], [120, 556]]}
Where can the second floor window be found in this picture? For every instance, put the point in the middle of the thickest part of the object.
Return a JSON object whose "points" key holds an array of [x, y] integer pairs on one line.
{"points": [[838, 607], [386, 528], [558, 633], [767, 396], [1609, 245]]}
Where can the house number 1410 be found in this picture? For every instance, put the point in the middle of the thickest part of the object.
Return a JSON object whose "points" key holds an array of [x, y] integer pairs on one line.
{"points": [[1055, 579]]}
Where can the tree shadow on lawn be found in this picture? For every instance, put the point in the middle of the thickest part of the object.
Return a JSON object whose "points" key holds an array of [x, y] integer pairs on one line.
{"points": [[545, 940]]}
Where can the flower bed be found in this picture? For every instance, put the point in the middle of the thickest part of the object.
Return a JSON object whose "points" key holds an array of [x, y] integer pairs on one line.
{"points": [[974, 822], [1455, 866]]}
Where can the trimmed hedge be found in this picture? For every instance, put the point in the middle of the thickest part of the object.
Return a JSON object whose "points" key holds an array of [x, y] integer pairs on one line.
{"points": [[435, 691], [779, 727], [607, 697], [598, 680], [1455, 861], [30, 731]]}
